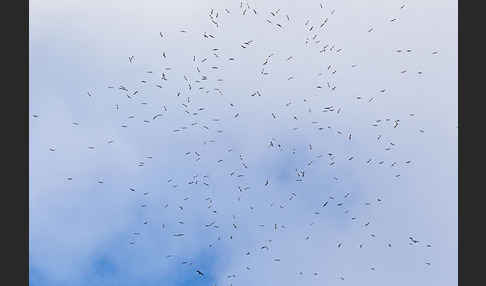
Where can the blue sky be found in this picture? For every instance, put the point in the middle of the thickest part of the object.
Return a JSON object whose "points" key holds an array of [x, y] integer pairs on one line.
{"points": [[80, 229]]}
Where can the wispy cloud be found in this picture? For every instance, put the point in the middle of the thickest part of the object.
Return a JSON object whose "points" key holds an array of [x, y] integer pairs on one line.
{"points": [[87, 227]]}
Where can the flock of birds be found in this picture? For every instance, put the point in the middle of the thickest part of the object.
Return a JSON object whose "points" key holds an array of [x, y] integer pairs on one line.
{"points": [[206, 79]]}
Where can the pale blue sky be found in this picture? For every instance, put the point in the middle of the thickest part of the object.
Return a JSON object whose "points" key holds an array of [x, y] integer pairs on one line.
{"points": [[80, 229]]}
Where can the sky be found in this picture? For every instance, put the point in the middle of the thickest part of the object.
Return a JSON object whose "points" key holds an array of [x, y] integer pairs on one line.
{"points": [[199, 158]]}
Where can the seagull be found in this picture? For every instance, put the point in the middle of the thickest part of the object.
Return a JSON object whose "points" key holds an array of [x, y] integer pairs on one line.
{"points": [[413, 240]]}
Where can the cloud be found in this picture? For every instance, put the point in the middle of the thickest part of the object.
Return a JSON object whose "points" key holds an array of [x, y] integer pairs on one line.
{"points": [[81, 229]]}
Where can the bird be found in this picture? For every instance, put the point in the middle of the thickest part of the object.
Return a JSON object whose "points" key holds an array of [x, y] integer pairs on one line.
{"points": [[413, 240]]}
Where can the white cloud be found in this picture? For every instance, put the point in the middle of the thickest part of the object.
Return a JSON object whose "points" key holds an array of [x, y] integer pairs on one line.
{"points": [[81, 46]]}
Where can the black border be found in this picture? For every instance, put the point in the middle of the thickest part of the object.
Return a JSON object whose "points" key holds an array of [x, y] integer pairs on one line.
{"points": [[15, 199]]}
